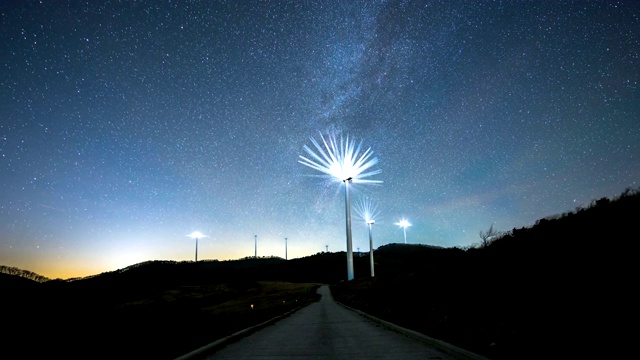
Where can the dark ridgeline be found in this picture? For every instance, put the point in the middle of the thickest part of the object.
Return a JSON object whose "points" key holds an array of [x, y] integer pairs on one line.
{"points": [[558, 289], [563, 288]]}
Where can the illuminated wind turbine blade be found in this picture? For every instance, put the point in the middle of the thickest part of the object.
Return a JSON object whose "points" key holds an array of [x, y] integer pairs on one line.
{"points": [[367, 210], [403, 223], [341, 160], [197, 234]]}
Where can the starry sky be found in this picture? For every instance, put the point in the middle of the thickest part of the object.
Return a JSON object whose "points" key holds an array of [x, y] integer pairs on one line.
{"points": [[126, 125]]}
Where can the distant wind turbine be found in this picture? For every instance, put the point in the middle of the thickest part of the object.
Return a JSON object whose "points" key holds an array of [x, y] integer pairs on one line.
{"points": [[368, 211], [404, 224], [196, 235]]}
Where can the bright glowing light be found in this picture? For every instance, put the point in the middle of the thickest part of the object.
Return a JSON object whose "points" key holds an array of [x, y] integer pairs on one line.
{"points": [[404, 224], [341, 160], [197, 235], [367, 211]]}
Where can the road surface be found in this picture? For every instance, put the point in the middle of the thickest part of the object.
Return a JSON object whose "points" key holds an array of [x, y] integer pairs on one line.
{"points": [[328, 330]]}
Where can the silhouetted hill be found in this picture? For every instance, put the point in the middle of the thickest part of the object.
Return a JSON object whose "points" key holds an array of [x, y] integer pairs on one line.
{"points": [[562, 288], [558, 289], [11, 282], [155, 309], [135, 315]]}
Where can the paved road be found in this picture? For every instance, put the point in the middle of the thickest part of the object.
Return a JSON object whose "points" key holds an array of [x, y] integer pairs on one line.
{"points": [[327, 330]]}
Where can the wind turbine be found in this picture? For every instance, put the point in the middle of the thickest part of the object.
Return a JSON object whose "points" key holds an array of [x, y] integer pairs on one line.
{"points": [[196, 235], [404, 224], [342, 161], [368, 211]]}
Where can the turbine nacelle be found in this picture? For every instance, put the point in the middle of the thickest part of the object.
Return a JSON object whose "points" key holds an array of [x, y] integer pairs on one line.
{"points": [[197, 235], [403, 223]]}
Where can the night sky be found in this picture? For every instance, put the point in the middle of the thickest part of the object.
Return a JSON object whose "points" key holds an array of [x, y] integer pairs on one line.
{"points": [[126, 125]]}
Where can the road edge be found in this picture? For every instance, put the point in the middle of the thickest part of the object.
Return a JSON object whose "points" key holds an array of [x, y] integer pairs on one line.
{"points": [[237, 335]]}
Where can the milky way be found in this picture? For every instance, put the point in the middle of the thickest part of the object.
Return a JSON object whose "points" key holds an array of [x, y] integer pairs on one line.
{"points": [[125, 126]]}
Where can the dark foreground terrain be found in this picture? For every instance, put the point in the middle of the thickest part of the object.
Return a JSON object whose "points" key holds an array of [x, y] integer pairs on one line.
{"points": [[163, 324], [563, 288]]}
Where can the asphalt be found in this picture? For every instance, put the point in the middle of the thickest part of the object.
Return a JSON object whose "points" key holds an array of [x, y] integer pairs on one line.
{"points": [[328, 330]]}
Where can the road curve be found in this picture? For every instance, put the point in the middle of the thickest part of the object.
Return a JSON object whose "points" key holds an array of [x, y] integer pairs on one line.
{"points": [[327, 330]]}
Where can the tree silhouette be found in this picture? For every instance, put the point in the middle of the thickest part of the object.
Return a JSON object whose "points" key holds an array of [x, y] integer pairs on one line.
{"points": [[488, 236], [10, 270]]}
